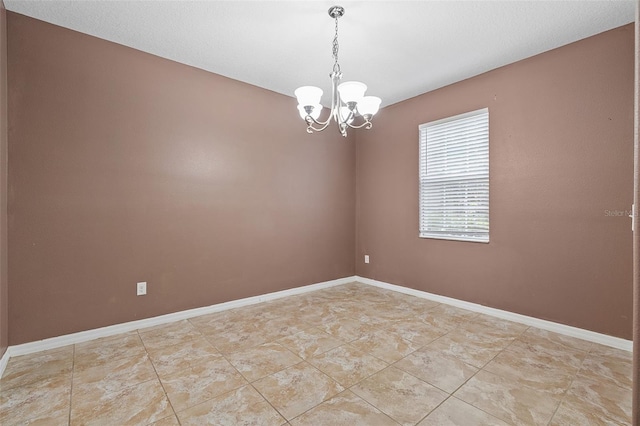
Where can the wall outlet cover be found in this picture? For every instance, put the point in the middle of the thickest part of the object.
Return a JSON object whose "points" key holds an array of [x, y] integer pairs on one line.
{"points": [[141, 288]]}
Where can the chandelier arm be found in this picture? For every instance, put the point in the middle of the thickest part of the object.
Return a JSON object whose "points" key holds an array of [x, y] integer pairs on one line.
{"points": [[367, 124], [340, 119], [311, 121]]}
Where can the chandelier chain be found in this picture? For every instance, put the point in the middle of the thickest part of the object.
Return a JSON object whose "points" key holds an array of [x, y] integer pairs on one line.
{"points": [[336, 66]]}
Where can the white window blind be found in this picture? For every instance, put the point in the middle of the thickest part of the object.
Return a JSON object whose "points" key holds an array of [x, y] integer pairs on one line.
{"points": [[454, 177]]}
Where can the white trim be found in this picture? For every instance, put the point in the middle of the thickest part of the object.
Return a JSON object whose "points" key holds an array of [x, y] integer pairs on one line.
{"points": [[83, 336], [480, 111], [5, 360], [567, 330]]}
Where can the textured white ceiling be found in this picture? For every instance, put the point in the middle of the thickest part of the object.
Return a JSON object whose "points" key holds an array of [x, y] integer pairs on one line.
{"points": [[400, 49]]}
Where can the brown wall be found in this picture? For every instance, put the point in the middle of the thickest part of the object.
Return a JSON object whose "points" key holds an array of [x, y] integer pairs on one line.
{"points": [[126, 167], [4, 307], [561, 153]]}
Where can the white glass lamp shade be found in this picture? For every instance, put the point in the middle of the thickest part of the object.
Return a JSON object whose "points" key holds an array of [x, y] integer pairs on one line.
{"points": [[369, 105], [308, 95], [351, 91], [315, 113]]}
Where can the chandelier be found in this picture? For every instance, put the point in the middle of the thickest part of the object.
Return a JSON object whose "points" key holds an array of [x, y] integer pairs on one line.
{"points": [[349, 106]]}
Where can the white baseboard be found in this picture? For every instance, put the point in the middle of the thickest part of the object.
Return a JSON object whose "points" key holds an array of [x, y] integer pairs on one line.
{"points": [[567, 330], [4, 360], [83, 336]]}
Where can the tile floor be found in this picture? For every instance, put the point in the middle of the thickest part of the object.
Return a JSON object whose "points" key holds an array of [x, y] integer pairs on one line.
{"points": [[348, 355]]}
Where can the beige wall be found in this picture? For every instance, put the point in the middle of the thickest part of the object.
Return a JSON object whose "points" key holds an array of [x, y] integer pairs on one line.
{"points": [[126, 167], [561, 154], [4, 307]]}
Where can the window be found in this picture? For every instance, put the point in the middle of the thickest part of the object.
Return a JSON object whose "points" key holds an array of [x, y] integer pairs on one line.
{"points": [[454, 178]]}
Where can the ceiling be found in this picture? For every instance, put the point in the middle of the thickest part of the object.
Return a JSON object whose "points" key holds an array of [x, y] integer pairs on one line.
{"points": [[400, 49]]}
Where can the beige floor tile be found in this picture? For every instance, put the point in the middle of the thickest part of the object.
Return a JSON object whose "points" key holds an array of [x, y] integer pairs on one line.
{"points": [[167, 421], [612, 370], [533, 370], [351, 309], [310, 312], [259, 312], [105, 349], [386, 345], [573, 411], [220, 322], [236, 339], [411, 304], [612, 353], [283, 307], [387, 310], [114, 375], [166, 335], [537, 334], [309, 342], [443, 371], [347, 364], [310, 315], [331, 315], [243, 406], [603, 399], [454, 412], [263, 360], [281, 327], [416, 331], [170, 359], [471, 348], [446, 317], [61, 421], [203, 381], [297, 389], [482, 336], [347, 329], [268, 310], [25, 369], [140, 404], [344, 409], [508, 399], [364, 317], [400, 395], [548, 352], [44, 402], [493, 326]]}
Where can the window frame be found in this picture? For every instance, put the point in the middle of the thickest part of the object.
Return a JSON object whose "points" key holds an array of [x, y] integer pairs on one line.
{"points": [[459, 234]]}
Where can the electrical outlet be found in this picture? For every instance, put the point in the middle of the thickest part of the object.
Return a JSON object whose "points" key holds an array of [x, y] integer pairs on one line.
{"points": [[141, 289], [366, 258]]}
